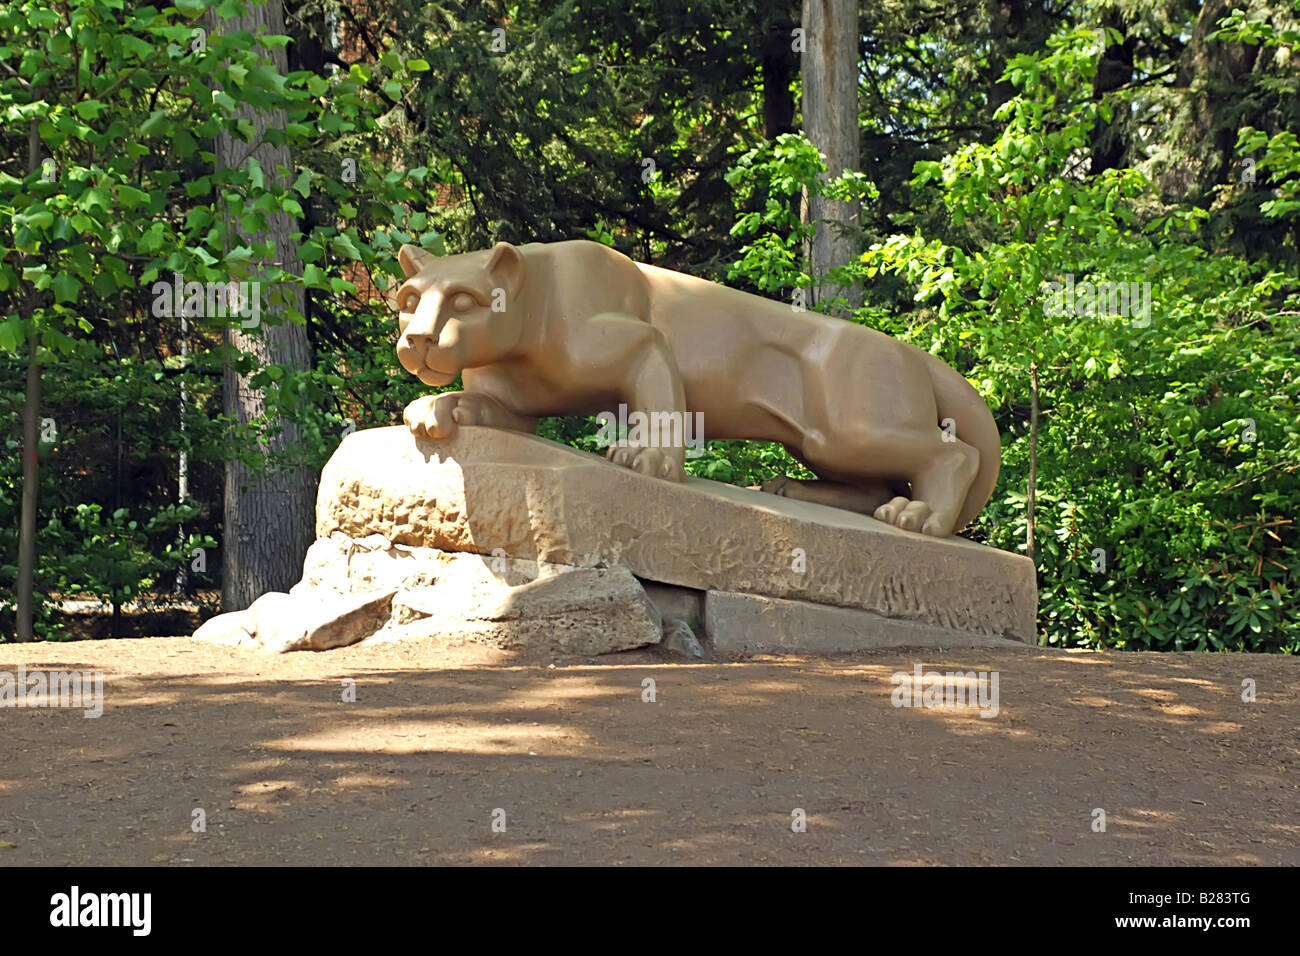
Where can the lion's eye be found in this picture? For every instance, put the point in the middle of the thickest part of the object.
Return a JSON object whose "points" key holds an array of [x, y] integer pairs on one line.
{"points": [[462, 302], [408, 300]]}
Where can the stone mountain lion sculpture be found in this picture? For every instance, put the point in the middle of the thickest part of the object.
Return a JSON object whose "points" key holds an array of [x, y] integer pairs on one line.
{"points": [[571, 328]]}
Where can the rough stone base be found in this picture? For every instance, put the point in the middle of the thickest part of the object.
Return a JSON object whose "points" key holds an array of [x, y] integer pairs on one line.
{"points": [[369, 590], [492, 491], [563, 610], [507, 539], [742, 624]]}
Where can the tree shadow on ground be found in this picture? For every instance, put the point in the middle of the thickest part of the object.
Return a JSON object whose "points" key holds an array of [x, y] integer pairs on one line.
{"points": [[578, 765]]}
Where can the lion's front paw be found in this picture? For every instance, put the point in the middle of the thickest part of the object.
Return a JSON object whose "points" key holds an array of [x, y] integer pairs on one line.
{"points": [[657, 462], [912, 515], [782, 485], [436, 416], [419, 415]]}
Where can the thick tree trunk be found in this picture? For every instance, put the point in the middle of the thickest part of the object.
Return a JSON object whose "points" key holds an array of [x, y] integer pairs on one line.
{"points": [[829, 66], [778, 64], [268, 522], [1211, 77]]}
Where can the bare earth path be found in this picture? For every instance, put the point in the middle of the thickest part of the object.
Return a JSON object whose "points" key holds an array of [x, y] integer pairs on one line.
{"points": [[584, 771]]}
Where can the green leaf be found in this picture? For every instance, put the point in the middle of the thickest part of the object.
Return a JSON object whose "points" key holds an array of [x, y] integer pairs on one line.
{"points": [[90, 109], [66, 288], [11, 334]]}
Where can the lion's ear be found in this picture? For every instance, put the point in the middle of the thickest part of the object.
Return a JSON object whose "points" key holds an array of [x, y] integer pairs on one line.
{"points": [[413, 259], [506, 267]]}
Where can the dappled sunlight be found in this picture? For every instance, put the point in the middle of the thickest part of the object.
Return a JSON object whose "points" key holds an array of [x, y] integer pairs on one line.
{"points": [[970, 725], [503, 852], [437, 737], [1218, 728], [262, 787], [1094, 701], [566, 690], [267, 797], [778, 687], [1158, 694], [617, 820], [364, 781], [585, 765]]}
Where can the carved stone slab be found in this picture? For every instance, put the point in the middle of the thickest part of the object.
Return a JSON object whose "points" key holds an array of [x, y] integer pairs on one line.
{"points": [[488, 490]]}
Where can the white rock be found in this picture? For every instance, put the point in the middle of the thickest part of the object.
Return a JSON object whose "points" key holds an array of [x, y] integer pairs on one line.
{"points": [[320, 620], [234, 628], [326, 565]]}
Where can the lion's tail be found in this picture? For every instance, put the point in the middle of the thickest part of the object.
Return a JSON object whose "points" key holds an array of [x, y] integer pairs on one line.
{"points": [[956, 399]]}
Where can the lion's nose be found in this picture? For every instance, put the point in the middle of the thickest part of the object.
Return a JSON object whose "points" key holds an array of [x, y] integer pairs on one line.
{"points": [[417, 342]]}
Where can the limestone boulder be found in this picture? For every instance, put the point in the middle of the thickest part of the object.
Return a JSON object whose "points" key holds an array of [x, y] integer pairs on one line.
{"points": [[491, 491], [234, 629], [308, 620], [535, 606]]}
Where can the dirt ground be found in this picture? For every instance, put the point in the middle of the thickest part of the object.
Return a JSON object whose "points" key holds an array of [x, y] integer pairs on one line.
{"points": [[581, 769]]}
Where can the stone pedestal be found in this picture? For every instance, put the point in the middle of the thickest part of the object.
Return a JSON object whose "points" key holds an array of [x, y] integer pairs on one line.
{"points": [[486, 536]]}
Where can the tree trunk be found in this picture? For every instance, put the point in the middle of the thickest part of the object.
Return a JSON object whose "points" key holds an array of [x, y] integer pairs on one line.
{"points": [[778, 64], [1211, 77], [24, 627], [268, 521], [829, 66], [1031, 494], [1115, 69], [1007, 25]]}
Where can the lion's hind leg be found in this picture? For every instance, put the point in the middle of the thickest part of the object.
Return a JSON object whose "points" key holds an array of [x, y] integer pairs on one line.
{"points": [[864, 498], [914, 477], [941, 481]]}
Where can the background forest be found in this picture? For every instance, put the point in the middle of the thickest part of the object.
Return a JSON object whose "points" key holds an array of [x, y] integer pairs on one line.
{"points": [[1019, 163]]}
